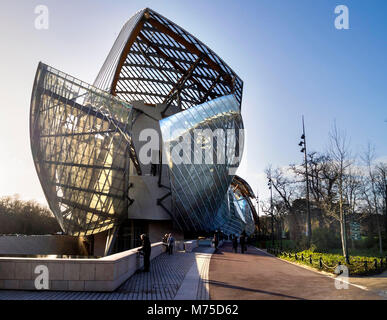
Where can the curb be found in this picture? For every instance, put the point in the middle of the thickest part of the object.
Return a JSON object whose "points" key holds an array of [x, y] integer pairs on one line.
{"points": [[323, 273]]}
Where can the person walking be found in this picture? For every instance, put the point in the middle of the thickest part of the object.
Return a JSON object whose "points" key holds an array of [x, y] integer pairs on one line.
{"points": [[235, 243], [171, 241], [242, 241], [216, 241], [165, 241], [145, 250]]}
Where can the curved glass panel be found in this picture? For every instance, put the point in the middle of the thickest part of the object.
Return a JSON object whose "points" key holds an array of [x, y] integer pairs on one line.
{"points": [[228, 220], [81, 147], [236, 213], [202, 146]]}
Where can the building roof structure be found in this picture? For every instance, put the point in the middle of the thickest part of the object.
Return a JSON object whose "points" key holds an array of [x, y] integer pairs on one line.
{"points": [[85, 138]]}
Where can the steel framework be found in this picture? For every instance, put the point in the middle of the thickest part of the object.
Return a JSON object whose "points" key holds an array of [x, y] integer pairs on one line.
{"points": [[156, 61], [84, 138]]}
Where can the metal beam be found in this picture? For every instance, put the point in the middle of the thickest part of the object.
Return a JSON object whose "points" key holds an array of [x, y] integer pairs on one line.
{"points": [[89, 191], [87, 209], [91, 111], [155, 55], [216, 81], [76, 134], [180, 83], [173, 63], [146, 79], [125, 52], [81, 165], [191, 47], [195, 75]]}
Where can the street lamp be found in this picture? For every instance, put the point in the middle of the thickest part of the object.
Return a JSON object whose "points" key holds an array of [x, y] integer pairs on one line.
{"points": [[271, 211], [303, 149], [259, 225]]}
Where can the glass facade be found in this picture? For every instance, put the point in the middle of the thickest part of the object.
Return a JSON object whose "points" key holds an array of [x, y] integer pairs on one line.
{"points": [[236, 214], [84, 138], [81, 146], [198, 187]]}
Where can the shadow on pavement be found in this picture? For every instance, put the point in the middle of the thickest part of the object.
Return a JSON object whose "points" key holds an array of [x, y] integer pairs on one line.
{"points": [[225, 285]]}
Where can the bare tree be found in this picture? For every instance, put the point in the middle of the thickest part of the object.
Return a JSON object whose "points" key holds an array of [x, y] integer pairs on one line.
{"points": [[285, 187], [341, 161], [370, 191], [382, 188]]}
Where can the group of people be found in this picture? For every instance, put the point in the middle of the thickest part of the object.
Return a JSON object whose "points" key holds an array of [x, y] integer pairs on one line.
{"points": [[145, 249], [242, 242], [169, 241]]}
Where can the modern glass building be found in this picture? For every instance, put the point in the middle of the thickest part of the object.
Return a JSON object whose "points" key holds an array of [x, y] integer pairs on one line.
{"points": [[152, 146]]}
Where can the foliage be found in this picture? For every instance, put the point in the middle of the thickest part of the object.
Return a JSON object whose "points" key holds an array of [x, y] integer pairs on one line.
{"points": [[25, 217], [331, 260], [324, 239], [286, 244], [343, 191]]}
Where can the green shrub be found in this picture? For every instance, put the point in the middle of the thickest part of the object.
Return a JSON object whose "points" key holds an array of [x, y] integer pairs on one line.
{"points": [[331, 260]]}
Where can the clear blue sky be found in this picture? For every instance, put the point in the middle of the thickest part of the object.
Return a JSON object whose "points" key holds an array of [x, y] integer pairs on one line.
{"points": [[292, 60]]}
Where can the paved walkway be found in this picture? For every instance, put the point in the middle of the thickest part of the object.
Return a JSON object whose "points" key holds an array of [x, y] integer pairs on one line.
{"points": [[225, 275], [178, 276], [259, 276], [376, 283]]}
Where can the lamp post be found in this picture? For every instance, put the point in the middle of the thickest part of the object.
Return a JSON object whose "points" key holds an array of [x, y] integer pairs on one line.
{"points": [[271, 211], [257, 203], [308, 222]]}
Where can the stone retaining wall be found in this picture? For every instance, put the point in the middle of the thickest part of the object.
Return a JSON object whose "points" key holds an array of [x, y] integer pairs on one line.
{"points": [[104, 274], [42, 244]]}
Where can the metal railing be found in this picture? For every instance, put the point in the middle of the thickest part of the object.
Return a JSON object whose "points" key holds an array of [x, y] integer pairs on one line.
{"points": [[369, 266]]}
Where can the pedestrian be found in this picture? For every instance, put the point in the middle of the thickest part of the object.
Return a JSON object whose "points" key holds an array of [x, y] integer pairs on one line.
{"points": [[165, 241], [242, 241], [246, 240], [216, 241], [145, 250], [171, 241], [235, 243]]}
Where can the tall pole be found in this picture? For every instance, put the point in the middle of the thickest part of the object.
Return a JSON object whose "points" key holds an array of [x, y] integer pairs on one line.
{"points": [[308, 221], [259, 225], [271, 212]]}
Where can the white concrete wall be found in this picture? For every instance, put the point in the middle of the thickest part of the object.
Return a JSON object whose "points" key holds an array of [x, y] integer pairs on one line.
{"points": [[145, 190], [104, 274]]}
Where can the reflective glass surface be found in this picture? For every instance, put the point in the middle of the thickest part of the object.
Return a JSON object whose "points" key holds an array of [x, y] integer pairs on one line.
{"points": [[199, 187], [235, 215], [81, 147]]}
